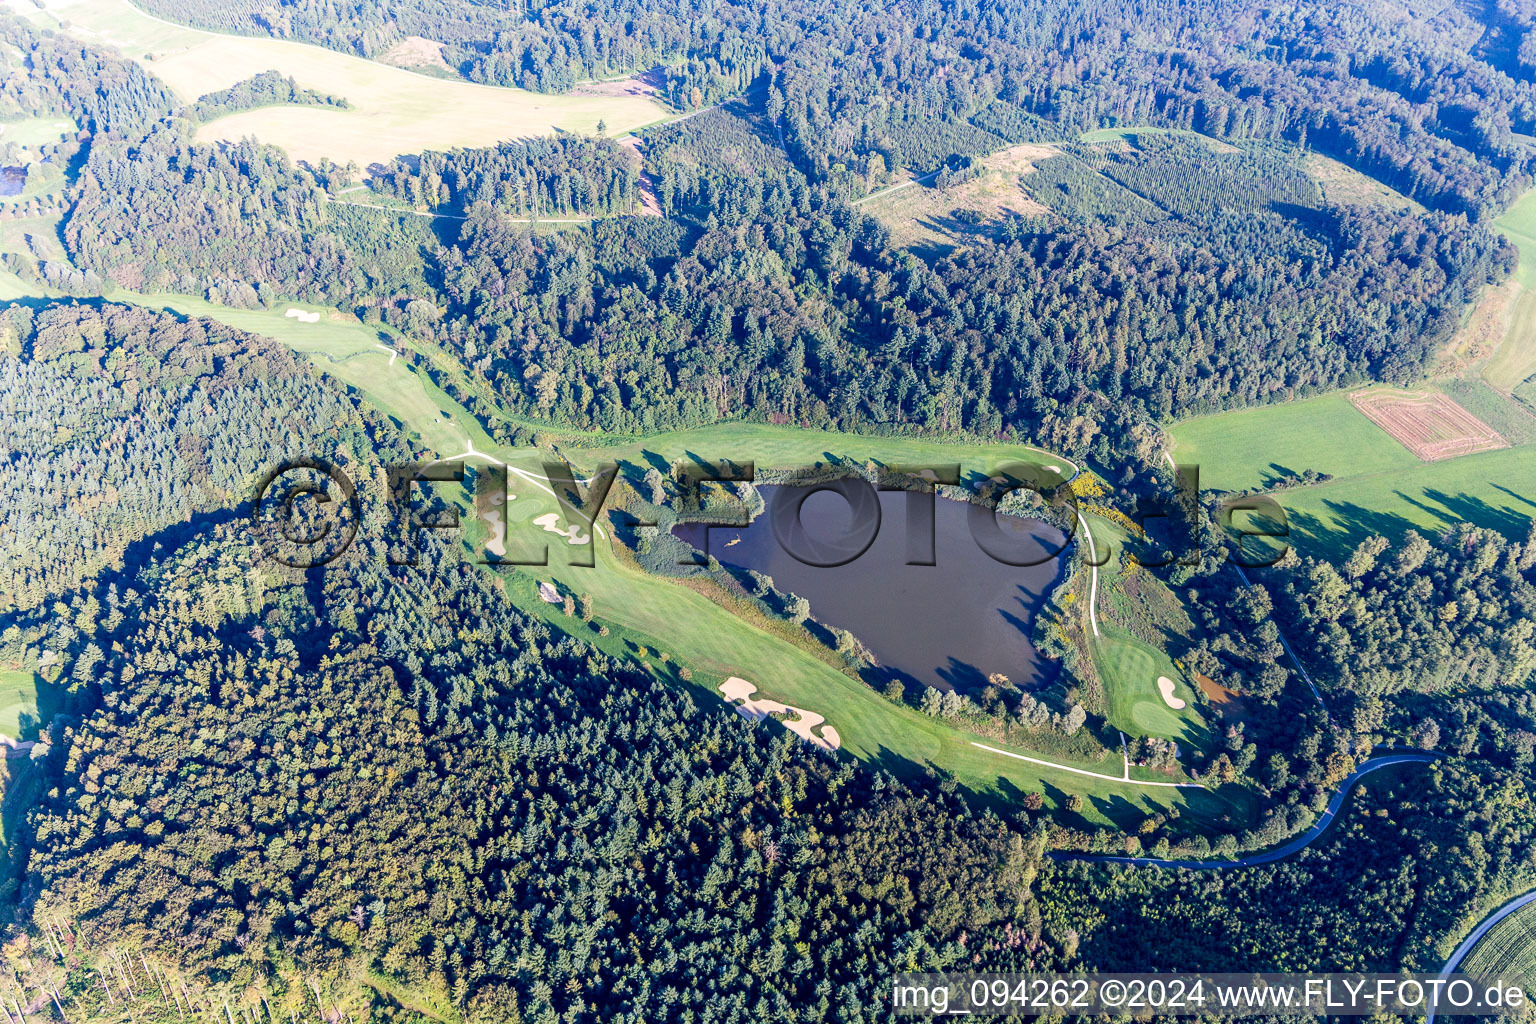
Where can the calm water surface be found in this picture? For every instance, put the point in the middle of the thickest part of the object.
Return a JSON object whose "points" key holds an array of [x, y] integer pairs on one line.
{"points": [[950, 624]]}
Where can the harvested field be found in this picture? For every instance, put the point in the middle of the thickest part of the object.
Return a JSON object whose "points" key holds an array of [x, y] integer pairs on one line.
{"points": [[1427, 423], [416, 52]]}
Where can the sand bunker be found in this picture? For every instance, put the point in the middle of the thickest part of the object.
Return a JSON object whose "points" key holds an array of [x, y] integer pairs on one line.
{"points": [[303, 317], [1165, 687], [737, 689], [573, 535], [548, 594], [497, 545]]}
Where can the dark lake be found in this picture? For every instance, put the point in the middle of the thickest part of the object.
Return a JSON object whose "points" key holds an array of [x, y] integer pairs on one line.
{"points": [[949, 624], [12, 180]]}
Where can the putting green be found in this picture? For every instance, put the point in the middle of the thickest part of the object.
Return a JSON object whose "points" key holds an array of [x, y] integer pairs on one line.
{"points": [[1130, 670]]}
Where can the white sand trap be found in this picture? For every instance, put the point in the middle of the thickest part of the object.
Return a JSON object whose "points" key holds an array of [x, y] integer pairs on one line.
{"points": [[497, 545], [737, 689], [1165, 687], [548, 594], [1053, 469], [303, 317], [573, 535]]}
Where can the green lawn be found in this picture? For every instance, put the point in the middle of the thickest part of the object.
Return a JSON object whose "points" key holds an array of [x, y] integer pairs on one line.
{"points": [[1130, 669], [1519, 224], [1379, 486], [1492, 489], [19, 717], [32, 132], [1250, 448], [1514, 361]]}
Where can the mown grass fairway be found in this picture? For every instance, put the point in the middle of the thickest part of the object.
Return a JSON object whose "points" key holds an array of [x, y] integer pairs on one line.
{"points": [[392, 111], [1508, 950], [32, 132], [18, 704]]}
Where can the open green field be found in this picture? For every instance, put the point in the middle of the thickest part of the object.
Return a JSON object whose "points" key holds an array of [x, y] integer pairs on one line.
{"points": [[1492, 489], [19, 717], [1378, 485], [1514, 361], [1250, 448], [1518, 224], [1508, 950], [32, 132], [392, 111]]}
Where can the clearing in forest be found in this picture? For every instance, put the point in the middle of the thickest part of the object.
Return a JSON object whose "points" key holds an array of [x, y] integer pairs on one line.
{"points": [[19, 716], [392, 110], [924, 217], [1343, 185], [1427, 423]]}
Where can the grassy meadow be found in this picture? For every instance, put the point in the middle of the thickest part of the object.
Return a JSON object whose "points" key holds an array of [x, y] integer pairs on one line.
{"points": [[32, 132], [19, 717], [1250, 448], [1378, 485], [393, 110], [1513, 363]]}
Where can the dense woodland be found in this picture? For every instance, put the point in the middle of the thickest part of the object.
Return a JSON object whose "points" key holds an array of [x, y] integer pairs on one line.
{"points": [[268, 777], [267, 89], [118, 423], [560, 176], [1428, 101], [770, 298], [390, 786]]}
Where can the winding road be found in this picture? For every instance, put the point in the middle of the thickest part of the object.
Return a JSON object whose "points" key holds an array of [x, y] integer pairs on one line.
{"points": [[1280, 852]]}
